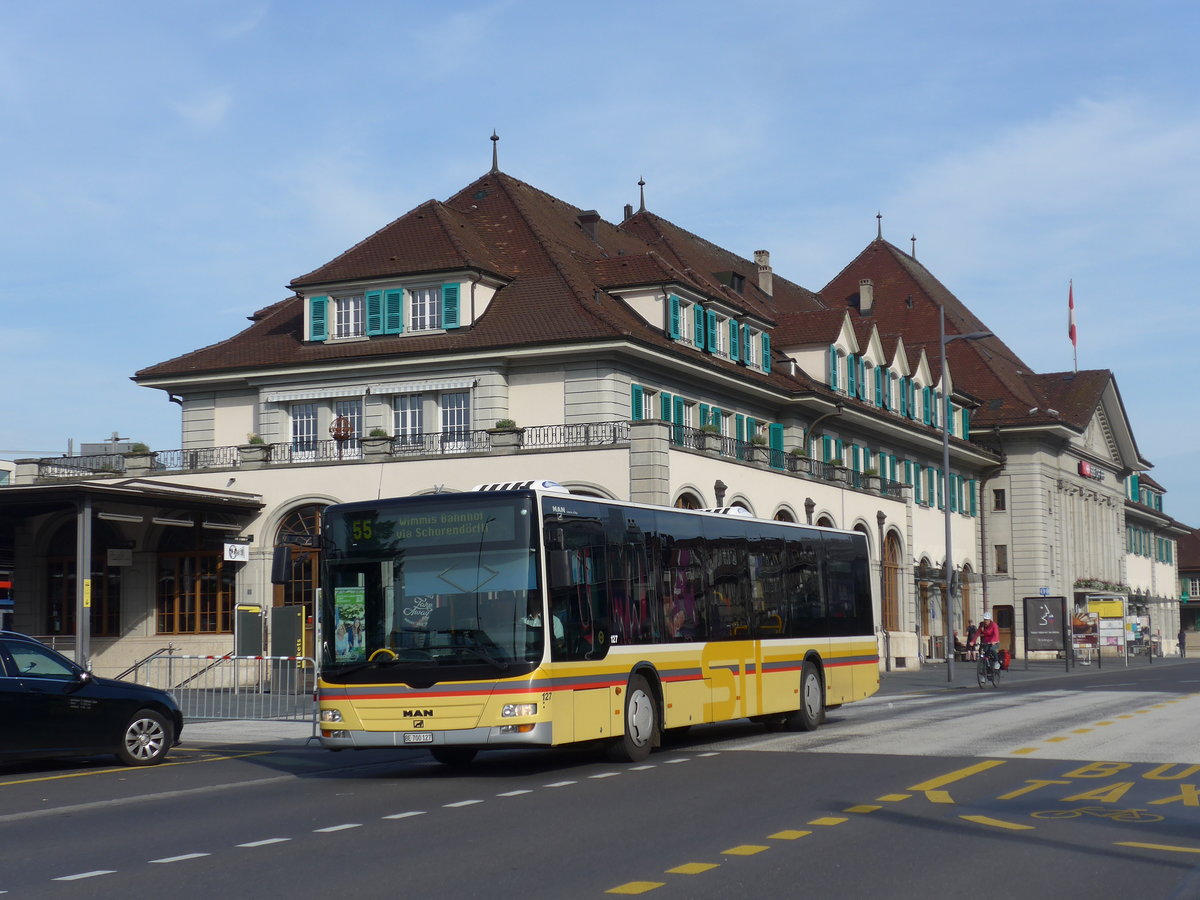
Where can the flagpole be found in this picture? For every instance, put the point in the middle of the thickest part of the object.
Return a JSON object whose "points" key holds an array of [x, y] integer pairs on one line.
{"points": [[1071, 322]]}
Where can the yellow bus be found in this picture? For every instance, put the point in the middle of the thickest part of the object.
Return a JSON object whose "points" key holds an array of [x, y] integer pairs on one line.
{"points": [[521, 615]]}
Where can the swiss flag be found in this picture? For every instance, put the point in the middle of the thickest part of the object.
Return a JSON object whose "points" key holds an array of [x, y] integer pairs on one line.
{"points": [[1071, 314]]}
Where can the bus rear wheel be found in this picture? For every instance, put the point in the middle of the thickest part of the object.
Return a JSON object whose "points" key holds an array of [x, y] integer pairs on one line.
{"points": [[811, 713], [641, 723]]}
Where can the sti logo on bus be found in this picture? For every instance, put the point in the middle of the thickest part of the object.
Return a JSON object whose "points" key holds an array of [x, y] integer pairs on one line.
{"points": [[418, 713]]}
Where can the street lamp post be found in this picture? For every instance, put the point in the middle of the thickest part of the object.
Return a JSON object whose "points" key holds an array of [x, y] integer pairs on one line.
{"points": [[949, 569]]}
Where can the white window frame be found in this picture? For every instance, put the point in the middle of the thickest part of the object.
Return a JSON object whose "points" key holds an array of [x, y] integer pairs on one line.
{"points": [[721, 338], [425, 308], [454, 419], [352, 409], [303, 420], [408, 418], [349, 317]]}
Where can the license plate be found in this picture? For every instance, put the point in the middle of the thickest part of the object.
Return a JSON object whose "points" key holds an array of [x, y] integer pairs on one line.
{"points": [[418, 738]]}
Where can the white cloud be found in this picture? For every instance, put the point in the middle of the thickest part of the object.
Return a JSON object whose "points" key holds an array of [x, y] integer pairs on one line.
{"points": [[206, 110]]}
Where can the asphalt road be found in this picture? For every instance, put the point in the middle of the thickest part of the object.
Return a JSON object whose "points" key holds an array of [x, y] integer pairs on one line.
{"points": [[1050, 786]]}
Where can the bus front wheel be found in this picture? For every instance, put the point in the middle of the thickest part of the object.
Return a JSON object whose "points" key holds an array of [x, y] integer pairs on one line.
{"points": [[641, 723], [811, 713]]}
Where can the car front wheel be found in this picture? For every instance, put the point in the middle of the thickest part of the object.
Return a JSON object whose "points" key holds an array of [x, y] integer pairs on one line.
{"points": [[145, 740]]}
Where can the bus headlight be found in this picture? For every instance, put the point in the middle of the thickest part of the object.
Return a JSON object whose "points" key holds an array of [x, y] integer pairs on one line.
{"points": [[518, 709], [331, 715]]}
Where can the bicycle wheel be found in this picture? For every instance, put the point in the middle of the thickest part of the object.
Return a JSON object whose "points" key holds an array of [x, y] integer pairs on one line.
{"points": [[993, 671], [981, 669]]}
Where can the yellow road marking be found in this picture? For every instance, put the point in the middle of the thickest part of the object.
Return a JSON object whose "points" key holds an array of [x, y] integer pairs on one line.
{"points": [[1167, 847], [959, 775], [1102, 723], [827, 820], [861, 808], [745, 850], [691, 868], [1081, 731], [128, 770], [1125, 716], [1025, 750], [635, 887], [893, 798], [1056, 740], [789, 834], [997, 823], [939, 797]]}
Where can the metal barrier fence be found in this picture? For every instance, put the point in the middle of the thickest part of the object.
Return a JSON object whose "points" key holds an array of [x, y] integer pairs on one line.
{"points": [[281, 688]]}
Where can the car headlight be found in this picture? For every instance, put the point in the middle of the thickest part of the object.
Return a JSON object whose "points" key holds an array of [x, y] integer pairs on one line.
{"points": [[331, 715], [518, 709]]}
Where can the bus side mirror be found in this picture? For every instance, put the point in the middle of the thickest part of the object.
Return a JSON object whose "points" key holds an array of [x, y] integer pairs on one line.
{"points": [[281, 565]]}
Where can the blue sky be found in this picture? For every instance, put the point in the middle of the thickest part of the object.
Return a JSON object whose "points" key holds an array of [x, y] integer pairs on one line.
{"points": [[169, 167]]}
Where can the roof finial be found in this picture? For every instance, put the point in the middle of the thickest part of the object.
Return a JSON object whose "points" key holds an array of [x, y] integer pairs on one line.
{"points": [[879, 226], [495, 156], [914, 240], [642, 193]]}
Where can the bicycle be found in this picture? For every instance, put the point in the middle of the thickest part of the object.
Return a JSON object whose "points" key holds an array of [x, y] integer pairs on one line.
{"points": [[987, 668]]}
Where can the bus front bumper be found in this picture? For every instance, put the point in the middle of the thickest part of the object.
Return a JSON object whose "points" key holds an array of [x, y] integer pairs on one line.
{"points": [[539, 734]]}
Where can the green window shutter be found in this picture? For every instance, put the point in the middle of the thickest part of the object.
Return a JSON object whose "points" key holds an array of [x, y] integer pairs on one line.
{"points": [[450, 305], [862, 378], [971, 491], [833, 368], [710, 331], [926, 403], [698, 316], [746, 344], [751, 427], [775, 443], [374, 303], [950, 419], [966, 424], [855, 462], [393, 311], [716, 418], [953, 490], [851, 376], [635, 402], [677, 418], [916, 483], [1134, 490], [673, 317], [826, 448], [908, 471], [318, 320], [766, 352], [664, 406], [839, 450], [868, 458], [904, 396], [739, 432], [704, 414], [888, 388], [880, 380], [735, 341]]}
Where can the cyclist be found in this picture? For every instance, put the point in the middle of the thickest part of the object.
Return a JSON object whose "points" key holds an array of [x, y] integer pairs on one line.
{"points": [[989, 639]]}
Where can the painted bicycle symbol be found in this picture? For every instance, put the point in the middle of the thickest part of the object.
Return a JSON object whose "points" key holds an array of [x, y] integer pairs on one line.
{"points": [[1100, 812]]}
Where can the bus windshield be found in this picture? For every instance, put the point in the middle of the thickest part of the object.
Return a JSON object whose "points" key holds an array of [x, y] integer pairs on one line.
{"points": [[440, 585]]}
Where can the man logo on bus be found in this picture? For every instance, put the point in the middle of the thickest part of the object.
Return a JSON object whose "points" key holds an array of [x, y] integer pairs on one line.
{"points": [[418, 713]]}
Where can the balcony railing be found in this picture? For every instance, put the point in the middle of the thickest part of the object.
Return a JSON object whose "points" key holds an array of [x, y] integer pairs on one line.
{"points": [[201, 458], [588, 434]]}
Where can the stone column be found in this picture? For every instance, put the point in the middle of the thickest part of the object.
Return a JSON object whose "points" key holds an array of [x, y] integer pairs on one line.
{"points": [[650, 462]]}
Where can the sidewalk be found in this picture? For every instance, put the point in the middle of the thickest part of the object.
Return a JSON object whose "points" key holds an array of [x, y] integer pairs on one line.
{"points": [[932, 676]]}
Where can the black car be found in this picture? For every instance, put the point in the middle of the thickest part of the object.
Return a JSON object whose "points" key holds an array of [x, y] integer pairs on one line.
{"points": [[52, 707]]}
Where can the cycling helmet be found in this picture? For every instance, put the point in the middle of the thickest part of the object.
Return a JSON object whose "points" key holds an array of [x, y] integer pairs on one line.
{"points": [[987, 617]]}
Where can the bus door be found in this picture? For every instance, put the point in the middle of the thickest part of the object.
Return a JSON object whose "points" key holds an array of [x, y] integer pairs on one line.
{"points": [[577, 565]]}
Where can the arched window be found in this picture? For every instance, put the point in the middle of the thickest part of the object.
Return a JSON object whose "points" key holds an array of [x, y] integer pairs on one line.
{"points": [[300, 530], [825, 522], [688, 500], [931, 598], [60, 582], [195, 584], [784, 516], [891, 583]]}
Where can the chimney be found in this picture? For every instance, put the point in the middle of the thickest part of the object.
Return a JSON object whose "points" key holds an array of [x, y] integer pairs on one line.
{"points": [[628, 211], [866, 295], [587, 221], [762, 259]]}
